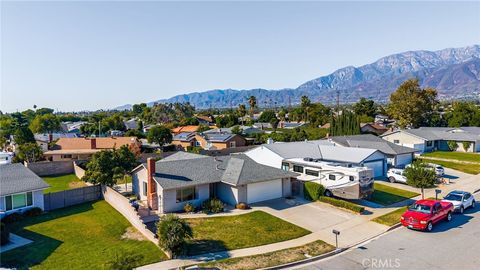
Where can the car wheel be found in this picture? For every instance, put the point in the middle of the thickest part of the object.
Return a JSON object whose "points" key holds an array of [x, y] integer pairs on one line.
{"points": [[461, 210], [429, 226], [328, 193], [473, 204], [391, 179], [449, 216]]}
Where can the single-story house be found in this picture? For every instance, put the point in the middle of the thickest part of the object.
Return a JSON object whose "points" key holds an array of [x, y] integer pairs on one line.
{"points": [[247, 130], [428, 139], [183, 140], [290, 125], [168, 184], [219, 141], [372, 128], [131, 124], [84, 148], [204, 120], [397, 155], [274, 154], [20, 190], [182, 129]]}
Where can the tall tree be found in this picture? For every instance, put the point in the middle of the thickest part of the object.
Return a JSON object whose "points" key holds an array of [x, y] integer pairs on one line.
{"points": [[411, 105], [463, 114], [242, 111], [159, 135], [346, 123], [29, 152], [365, 107], [252, 101], [45, 123], [305, 105], [420, 176]]}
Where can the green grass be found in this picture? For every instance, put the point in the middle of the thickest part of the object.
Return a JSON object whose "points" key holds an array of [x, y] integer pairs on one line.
{"points": [[272, 258], [62, 182], [342, 204], [240, 231], [391, 218], [460, 156], [463, 167], [84, 236], [386, 195]]}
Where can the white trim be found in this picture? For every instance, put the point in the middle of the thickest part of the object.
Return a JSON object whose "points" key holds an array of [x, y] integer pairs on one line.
{"points": [[32, 190], [20, 208]]}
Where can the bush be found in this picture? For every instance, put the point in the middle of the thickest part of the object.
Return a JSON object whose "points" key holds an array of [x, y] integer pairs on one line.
{"points": [[172, 233], [35, 211], [343, 204], [312, 191], [189, 208], [212, 206], [242, 206], [452, 145], [4, 234], [466, 146], [13, 217]]}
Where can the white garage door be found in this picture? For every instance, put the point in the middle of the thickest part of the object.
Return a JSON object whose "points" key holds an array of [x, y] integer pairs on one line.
{"points": [[264, 191], [376, 166], [403, 160]]}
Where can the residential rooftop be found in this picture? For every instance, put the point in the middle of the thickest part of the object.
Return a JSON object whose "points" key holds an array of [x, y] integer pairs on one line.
{"points": [[16, 178]]}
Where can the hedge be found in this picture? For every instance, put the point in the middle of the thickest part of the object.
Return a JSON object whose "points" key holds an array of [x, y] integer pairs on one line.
{"points": [[343, 204], [312, 191]]}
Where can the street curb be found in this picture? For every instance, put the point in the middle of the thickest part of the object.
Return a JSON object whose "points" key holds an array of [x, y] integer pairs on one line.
{"points": [[312, 259], [394, 227], [476, 191]]}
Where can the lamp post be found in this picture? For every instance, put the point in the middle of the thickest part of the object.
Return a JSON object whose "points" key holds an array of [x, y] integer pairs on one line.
{"points": [[336, 237], [437, 191]]}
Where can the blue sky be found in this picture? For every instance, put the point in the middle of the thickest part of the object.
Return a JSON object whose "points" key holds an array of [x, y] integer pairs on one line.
{"points": [[74, 56]]}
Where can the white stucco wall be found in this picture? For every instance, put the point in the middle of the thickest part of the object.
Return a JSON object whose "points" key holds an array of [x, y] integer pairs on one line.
{"points": [[169, 198], [37, 197]]}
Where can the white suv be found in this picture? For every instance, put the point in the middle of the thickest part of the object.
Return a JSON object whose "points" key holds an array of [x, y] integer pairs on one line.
{"points": [[396, 175]]}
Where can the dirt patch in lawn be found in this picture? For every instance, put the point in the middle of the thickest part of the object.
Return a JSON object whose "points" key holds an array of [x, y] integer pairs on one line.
{"points": [[132, 234], [76, 184]]}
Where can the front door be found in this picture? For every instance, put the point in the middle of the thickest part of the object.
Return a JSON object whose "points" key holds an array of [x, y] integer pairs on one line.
{"points": [[212, 190]]}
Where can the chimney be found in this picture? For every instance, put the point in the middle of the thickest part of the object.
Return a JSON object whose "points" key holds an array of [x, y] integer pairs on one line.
{"points": [[93, 143], [50, 137], [151, 186]]}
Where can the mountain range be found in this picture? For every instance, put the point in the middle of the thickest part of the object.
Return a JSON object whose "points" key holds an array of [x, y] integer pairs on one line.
{"points": [[454, 72]]}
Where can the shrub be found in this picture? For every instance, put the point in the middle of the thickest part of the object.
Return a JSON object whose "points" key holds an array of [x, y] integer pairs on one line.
{"points": [[35, 211], [452, 145], [172, 233], [124, 262], [4, 234], [466, 146], [212, 206], [189, 208], [312, 191], [343, 204], [13, 217], [242, 206]]}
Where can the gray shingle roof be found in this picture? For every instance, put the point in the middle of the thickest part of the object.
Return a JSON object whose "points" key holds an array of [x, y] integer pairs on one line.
{"points": [[443, 133], [372, 141], [184, 136], [16, 178], [321, 149], [236, 170]]}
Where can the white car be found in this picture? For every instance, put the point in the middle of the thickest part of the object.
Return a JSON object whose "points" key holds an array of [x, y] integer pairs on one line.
{"points": [[439, 170], [461, 200], [396, 175]]}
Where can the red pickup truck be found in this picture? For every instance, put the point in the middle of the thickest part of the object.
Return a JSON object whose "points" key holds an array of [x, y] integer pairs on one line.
{"points": [[423, 214]]}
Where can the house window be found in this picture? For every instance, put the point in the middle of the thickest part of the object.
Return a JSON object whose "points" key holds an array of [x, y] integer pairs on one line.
{"points": [[285, 166], [197, 143], [144, 188], [297, 168], [233, 144], [186, 194], [429, 143], [66, 156], [396, 141], [331, 177], [20, 200], [311, 172]]}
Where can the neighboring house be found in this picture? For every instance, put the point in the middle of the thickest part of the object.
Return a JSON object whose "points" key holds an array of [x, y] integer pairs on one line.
{"points": [[72, 127], [262, 126], [6, 158], [116, 133], [397, 156], [290, 125], [247, 130], [274, 154], [219, 141], [204, 120], [372, 128], [428, 139], [84, 148], [168, 184], [131, 124], [21, 189], [184, 140], [44, 139], [384, 120], [182, 129]]}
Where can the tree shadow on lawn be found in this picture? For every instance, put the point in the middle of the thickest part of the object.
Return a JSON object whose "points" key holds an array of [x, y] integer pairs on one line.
{"points": [[42, 246], [205, 246]]}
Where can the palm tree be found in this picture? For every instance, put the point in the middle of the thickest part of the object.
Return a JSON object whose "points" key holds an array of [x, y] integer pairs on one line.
{"points": [[242, 111], [252, 101], [305, 104]]}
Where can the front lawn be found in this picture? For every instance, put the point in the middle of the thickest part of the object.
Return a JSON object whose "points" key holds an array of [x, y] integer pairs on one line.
{"points": [[272, 258], [391, 218], [241, 231], [460, 156], [463, 167], [386, 195], [85, 236], [62, 182]]}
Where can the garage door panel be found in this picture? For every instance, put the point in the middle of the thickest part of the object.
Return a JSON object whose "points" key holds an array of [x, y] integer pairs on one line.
{"points": [[263, 191], [376, 166], [403, 160]]}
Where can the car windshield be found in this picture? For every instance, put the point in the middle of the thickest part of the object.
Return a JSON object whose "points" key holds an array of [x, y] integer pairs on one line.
{"points": [[453, 197], [420, 208]]}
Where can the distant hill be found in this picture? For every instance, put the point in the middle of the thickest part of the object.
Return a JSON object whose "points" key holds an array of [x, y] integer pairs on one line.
{"points": [[454, 72]]}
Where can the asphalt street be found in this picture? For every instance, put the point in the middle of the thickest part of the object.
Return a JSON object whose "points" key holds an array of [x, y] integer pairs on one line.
{"points": [[452, 245]]}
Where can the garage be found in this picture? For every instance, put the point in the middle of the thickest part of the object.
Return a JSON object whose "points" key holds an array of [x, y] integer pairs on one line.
{"points": [[264, 191], [404, 159], [377, 167]]}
